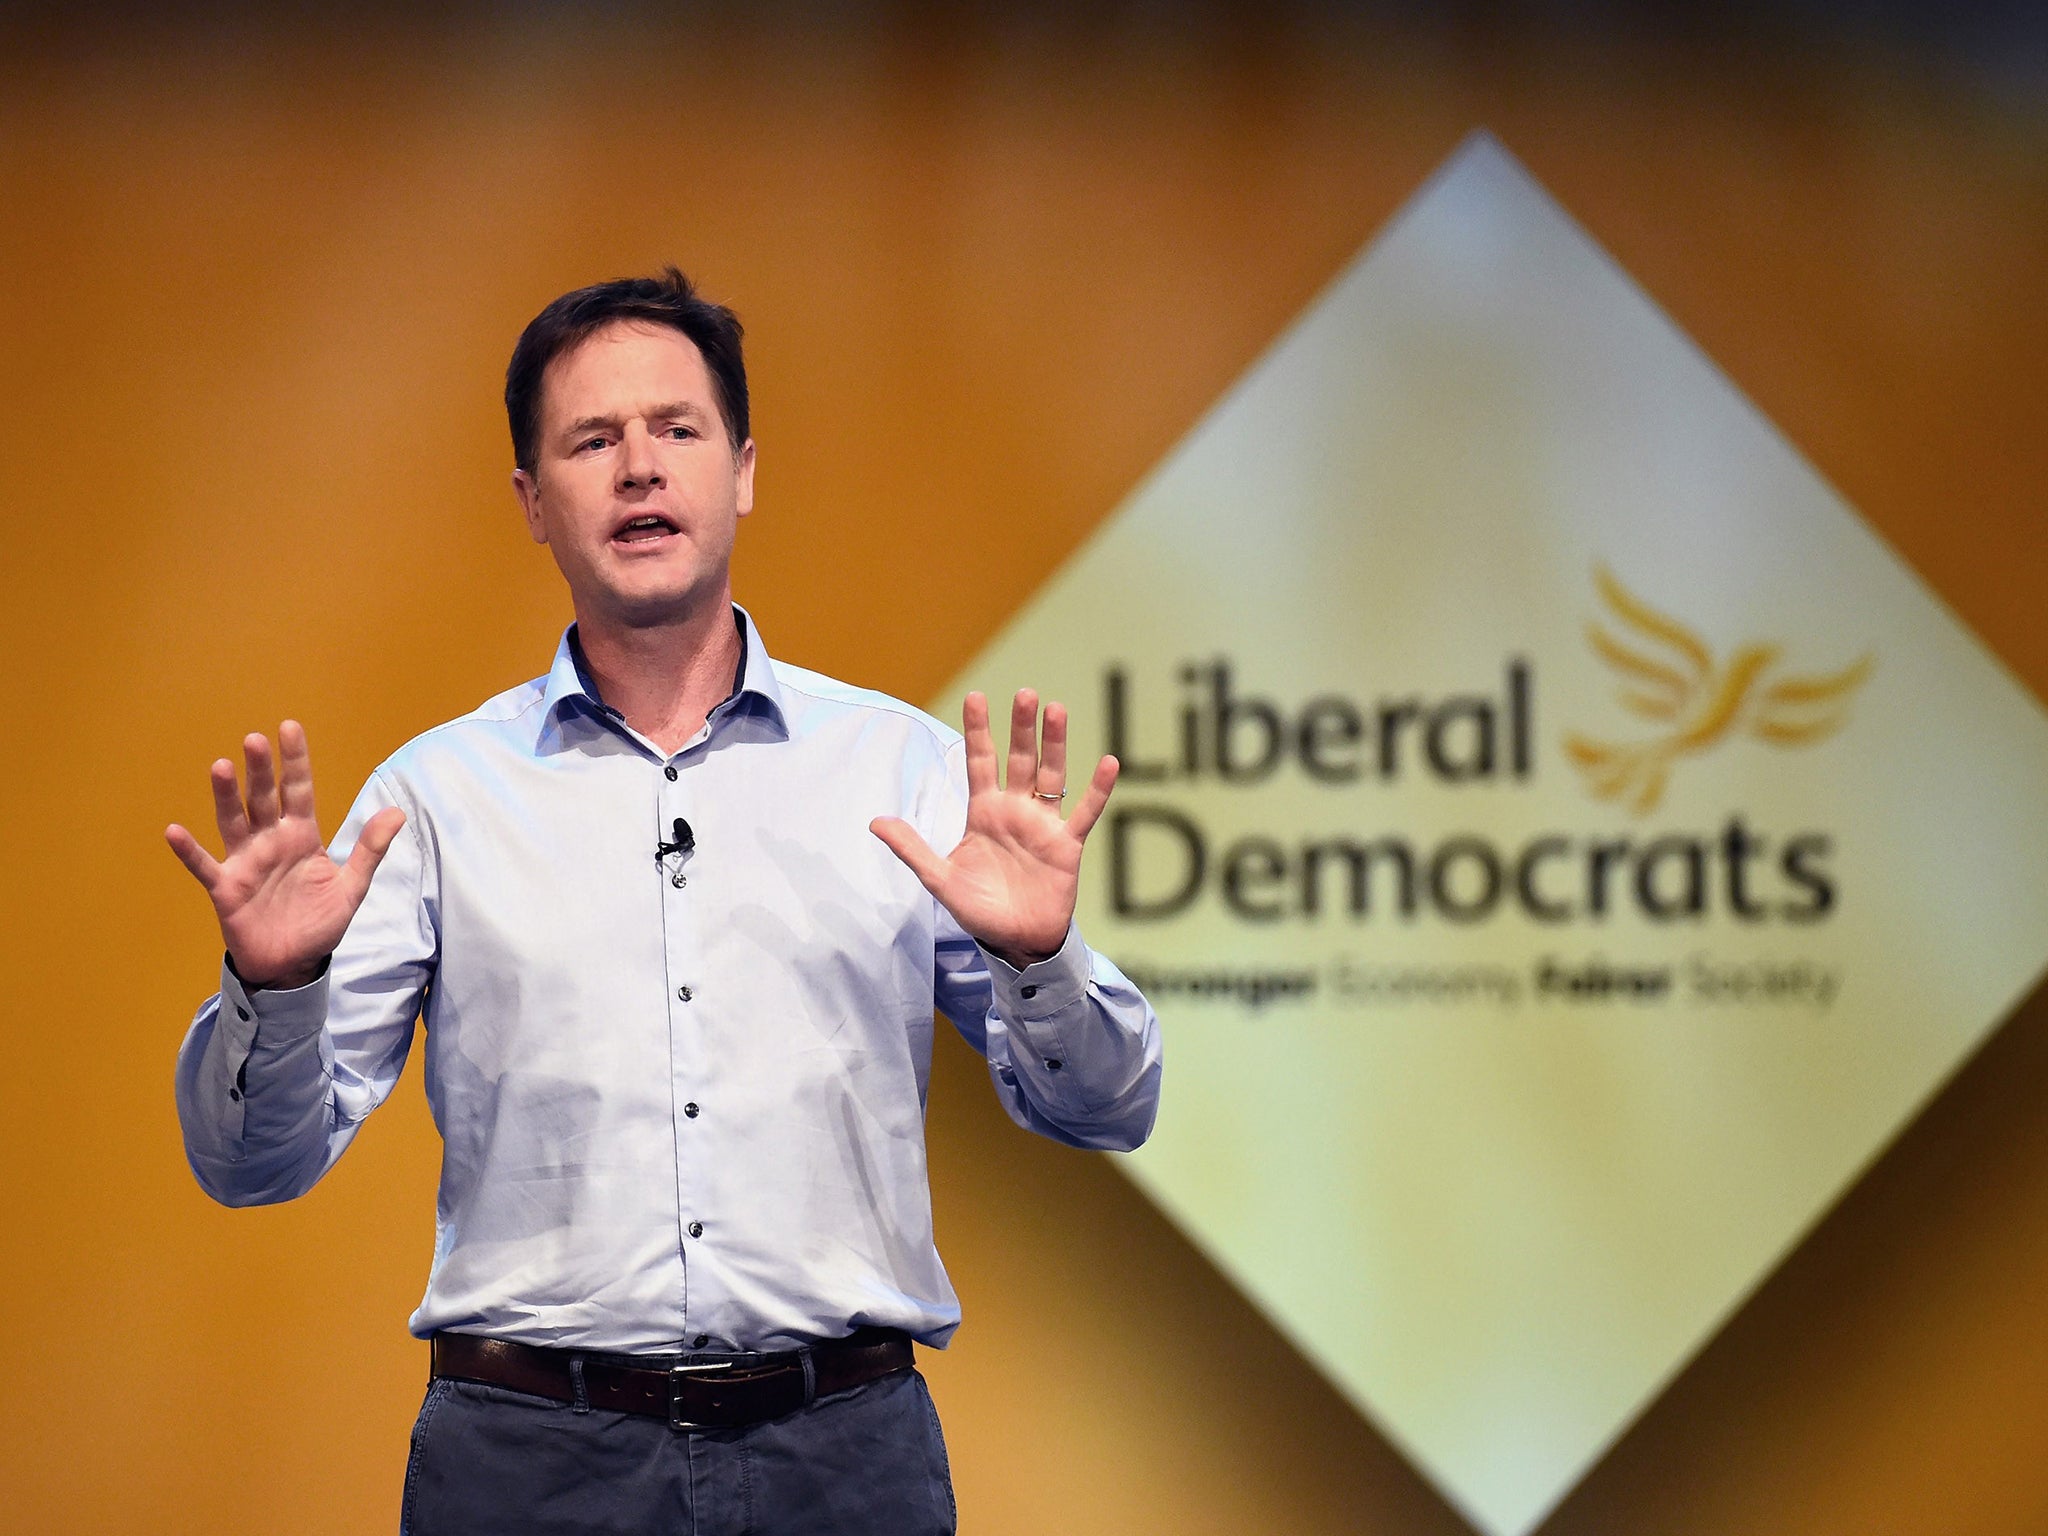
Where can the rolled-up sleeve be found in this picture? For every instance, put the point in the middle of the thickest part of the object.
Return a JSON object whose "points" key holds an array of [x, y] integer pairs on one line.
{"points": [[271, 1084]]}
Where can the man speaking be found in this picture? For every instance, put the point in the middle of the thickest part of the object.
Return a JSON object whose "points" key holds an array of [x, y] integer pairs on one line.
{"points": [[675, 921]]}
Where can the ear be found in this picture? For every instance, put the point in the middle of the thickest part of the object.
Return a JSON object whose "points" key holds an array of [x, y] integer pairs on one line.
{"points": [[744, 474], [527, 489]]}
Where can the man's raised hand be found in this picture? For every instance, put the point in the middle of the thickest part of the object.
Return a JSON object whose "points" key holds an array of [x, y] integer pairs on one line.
{"points": [[283, 904], [1012, 881]]}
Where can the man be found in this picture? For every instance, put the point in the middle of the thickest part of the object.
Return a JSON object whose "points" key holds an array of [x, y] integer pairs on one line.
{"points": [[675, 918]]}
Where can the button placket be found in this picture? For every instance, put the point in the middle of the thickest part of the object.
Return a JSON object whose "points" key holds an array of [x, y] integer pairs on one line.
{"points": [[685, 1035], [673, 863]]}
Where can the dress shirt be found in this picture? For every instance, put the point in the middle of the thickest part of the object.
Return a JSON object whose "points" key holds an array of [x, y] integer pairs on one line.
{"points": [[681, 1096]]}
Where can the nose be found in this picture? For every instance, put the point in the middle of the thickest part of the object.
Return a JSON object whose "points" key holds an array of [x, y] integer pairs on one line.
{"points": [[639, 465]]}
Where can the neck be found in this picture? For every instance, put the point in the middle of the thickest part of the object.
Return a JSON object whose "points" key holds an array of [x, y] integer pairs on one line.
{"points": [[665, 678]]}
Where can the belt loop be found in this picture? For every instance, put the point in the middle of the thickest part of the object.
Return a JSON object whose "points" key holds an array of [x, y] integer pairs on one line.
{"points": [[803, 1355], [582, 1402]]}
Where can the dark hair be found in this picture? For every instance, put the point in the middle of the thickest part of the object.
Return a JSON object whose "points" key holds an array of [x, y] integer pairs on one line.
{"points": [[665, 300]]}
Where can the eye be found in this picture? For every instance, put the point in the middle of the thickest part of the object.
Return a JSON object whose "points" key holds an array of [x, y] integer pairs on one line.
{"points": [[589, 443], [679, 431]]}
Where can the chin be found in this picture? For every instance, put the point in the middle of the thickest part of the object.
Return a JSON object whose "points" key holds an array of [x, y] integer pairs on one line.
{"points": [[648, 609]]}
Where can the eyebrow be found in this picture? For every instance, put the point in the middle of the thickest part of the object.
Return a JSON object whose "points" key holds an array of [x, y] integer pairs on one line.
{"points": [[674, 410]]}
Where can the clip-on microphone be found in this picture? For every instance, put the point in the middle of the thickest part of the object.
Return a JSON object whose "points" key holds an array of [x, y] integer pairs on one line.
{"points": [[686, 840]]}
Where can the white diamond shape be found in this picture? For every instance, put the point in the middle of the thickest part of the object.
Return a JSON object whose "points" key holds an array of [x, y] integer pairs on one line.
{"points": [[1500, 1230]]}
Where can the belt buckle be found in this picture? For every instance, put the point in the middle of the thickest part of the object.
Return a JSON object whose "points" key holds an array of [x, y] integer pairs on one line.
{"points": [[676, 1376]]}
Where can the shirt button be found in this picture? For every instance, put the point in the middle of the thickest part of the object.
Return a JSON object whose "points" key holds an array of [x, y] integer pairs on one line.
{"points": [[696, 1229], [685, 993], [1053, 1063], [670, 770], [700, 1341], [690, 1111], [679, 881], [1029, 992]]}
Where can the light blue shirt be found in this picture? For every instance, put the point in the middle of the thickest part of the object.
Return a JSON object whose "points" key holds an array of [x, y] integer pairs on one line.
{"points": [[681, 1098]]}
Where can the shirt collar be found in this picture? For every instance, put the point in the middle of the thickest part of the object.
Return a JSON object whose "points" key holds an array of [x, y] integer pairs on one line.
{"points": [[757, 683], [569, 683]]}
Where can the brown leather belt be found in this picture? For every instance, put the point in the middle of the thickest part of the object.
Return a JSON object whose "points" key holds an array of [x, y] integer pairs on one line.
{"points": [[694, 1393]]}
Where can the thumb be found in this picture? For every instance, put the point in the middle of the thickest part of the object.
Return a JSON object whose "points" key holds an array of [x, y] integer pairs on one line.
{"points": [[371, 846], [903, 841]]}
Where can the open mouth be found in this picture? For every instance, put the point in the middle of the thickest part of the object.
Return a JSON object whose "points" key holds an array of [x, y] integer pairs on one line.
{"points": [[649, 528]]}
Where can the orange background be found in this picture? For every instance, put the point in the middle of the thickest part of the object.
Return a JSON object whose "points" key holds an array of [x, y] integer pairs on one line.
{"points": [[259, 287]]}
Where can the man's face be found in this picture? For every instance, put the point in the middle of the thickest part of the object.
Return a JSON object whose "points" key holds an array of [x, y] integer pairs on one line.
{"points": [[635, 486]]}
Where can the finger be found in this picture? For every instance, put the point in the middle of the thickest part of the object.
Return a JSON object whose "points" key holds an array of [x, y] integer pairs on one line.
{"points": [[903, 841], [295, 771], [262, 780], [1089, 811], [981, 747], [371, 846], [228, 812], [1023, 768], [195, 858], [1052, 752]]}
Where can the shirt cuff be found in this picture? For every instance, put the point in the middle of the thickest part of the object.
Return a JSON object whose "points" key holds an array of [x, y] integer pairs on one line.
{"points": [[280, 1014], [1043, 988]]}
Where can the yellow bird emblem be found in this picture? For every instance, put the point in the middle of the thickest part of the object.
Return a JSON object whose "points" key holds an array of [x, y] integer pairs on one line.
{"points": [[1669, 676]]}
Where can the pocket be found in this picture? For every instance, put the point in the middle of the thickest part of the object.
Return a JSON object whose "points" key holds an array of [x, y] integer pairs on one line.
{"points": [[437, 1394], [481, 1392], [941, 1467]]}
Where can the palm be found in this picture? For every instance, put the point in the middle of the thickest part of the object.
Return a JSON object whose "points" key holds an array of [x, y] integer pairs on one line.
{"points": [[1011, 881], [283, 904], [280, 899]]}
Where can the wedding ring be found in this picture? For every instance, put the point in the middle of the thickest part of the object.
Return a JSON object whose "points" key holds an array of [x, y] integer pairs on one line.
{"points": [[1039, 794]]}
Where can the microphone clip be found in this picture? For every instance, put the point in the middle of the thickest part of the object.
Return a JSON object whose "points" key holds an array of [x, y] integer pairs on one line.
{"points": [[685, 842]]}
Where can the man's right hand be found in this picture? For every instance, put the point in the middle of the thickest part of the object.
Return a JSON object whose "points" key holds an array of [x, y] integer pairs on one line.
{"points": [[283, 904]]}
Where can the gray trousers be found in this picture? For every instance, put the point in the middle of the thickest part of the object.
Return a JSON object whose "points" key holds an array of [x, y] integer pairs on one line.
{"points": [[489, 1462]]}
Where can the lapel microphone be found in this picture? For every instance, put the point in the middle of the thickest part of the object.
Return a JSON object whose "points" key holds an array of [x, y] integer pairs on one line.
{"points": [[686, 840]]}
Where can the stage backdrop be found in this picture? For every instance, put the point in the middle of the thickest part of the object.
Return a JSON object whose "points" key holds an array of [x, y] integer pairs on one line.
{"points": [[1569, 599], [1562, 841]]}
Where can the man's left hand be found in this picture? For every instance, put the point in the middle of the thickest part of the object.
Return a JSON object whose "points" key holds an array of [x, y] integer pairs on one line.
{"points": [[1012, 880]]}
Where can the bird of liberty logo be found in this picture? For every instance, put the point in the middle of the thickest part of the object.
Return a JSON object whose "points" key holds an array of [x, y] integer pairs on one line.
{"points": [[1669, 676]]}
